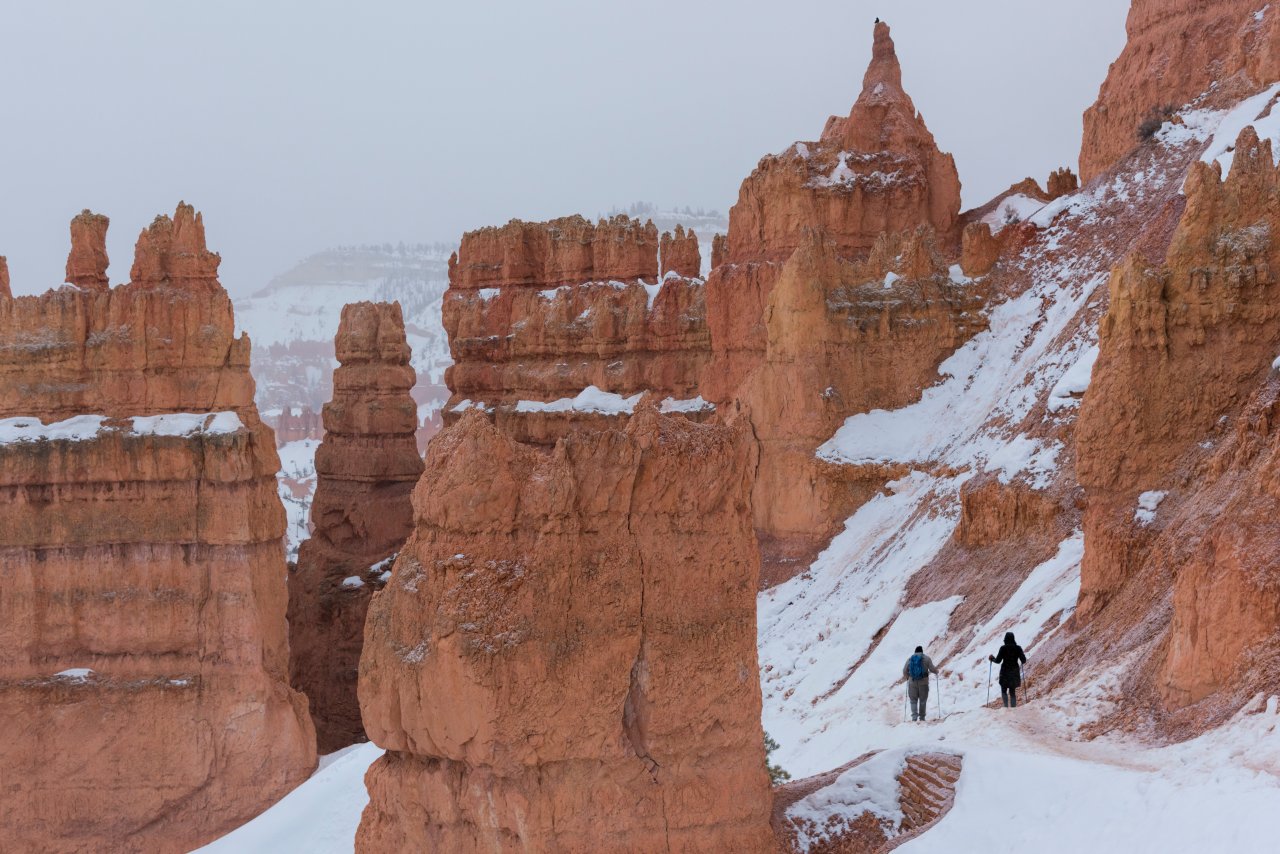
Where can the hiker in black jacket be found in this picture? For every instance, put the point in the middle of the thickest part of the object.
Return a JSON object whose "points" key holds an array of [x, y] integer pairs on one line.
{"points": [[1010, 657]]}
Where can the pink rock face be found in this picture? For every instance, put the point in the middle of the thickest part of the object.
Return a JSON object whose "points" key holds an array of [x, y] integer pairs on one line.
{"points": [[4, 277], [538, 312], [1176, 50], [172, 251], [366, 469], [143, 647], [876, 171], [680, 254], [87, 261], [564, 658], [839, 340], [1177, 417]]}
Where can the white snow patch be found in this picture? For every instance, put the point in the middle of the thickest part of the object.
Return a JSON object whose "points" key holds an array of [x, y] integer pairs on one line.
{"points": [[186, 423], [695, 404], [956, 273], [81, 428], [487, 294], [1222, 147], [889, 278], [1075, 382], [27, 429], [871, 786], [1148, 503], [1022, 454], [1012, 209], [318, 817], [590, 399], [74, 674], [351, 582]]}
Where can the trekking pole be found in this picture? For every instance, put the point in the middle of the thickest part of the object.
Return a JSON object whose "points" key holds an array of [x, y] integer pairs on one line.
{"points": [[905, 691], [937, 680], [988, 682]]}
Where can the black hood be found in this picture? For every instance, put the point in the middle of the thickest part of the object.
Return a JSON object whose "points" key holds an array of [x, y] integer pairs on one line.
{"points": [[1008, 639]]}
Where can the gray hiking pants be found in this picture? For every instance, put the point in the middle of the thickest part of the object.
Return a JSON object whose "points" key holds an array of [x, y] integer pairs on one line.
{"points": [[918, 691]]}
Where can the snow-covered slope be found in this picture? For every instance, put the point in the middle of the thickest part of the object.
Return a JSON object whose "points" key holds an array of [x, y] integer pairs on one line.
{"points": [[834, 639]]}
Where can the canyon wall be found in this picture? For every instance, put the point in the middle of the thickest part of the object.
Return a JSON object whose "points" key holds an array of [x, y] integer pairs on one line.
{"points": [[366, 468], [1177, 50], [565, 655], [557, 325], [1176, 452], [842, 337], [831, 296], [876, 171], [143, 648]]}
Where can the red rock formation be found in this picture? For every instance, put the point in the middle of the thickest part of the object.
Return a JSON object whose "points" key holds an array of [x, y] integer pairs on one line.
{"points": [[1177, 49], [1062, 182], [143, 648], [4, 277], [172, 251], [304, 425], [563, 251], [87, 261], [366, 468], [543, 669], [843, 337], [538, 312], [979, 250], [1184, 347], [680, 254], [876, 171]]}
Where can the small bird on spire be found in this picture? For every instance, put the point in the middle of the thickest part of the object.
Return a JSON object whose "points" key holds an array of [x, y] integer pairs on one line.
{"points": [[877, 20]]}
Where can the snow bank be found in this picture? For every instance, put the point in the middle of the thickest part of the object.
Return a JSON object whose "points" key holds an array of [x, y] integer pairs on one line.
{"points": [[318, 817], [81, 428], [1221, 148], [28, 429], [1148, 503], [871, 786], [1075, 382], [1011, 210], [592, 399]]}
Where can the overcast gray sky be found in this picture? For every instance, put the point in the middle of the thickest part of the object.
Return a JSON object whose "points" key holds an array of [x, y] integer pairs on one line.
{"points": [[296, 126]]}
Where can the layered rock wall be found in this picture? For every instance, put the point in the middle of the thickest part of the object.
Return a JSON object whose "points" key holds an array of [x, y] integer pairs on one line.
{"points": [[1174, 448], [1177, 50], [876, 171], [538, 313], [843, 337], [143, 648], [565, 656], [366, 468]]}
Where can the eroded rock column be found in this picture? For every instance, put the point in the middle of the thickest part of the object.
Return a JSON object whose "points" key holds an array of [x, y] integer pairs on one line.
{"points": [[143, 648], [366, 468], [564, 658]]}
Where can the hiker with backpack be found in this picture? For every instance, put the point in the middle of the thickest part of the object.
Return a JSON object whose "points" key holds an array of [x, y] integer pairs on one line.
{"points": [[1010, 658], [916, 671]]}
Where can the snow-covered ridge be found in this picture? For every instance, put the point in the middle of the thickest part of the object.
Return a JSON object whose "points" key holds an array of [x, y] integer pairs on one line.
{"points": [[80, 428], [592, 399]]}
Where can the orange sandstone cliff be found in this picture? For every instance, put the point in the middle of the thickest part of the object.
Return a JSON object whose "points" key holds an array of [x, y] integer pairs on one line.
{"points": [[860, 315], [560, 325], [1177, 49], [366, 469], [1176, 449], [143, 648], [565, 656]]}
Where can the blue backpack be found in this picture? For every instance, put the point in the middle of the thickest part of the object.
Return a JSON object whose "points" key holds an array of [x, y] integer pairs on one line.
{"points": [[916, 666]]}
